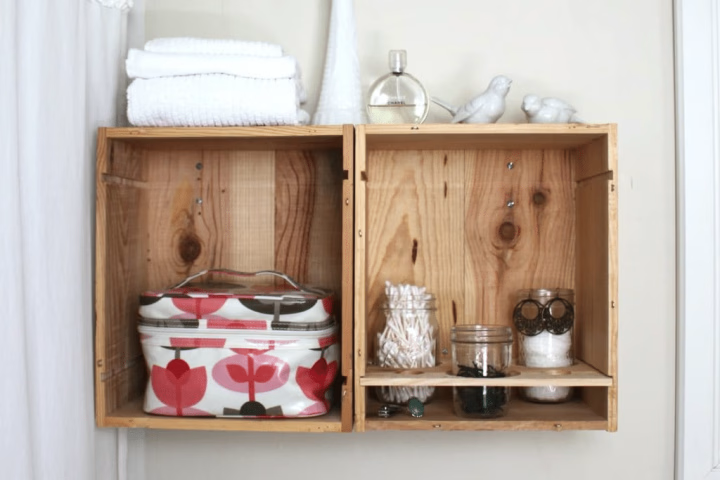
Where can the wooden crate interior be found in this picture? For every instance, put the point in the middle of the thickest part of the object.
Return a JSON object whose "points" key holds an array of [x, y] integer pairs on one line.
{"points": [[172, 205], [475, 215]]}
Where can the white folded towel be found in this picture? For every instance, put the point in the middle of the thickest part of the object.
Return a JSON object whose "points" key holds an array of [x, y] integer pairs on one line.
{"points": [[213, 46], [142, 64], [116, 4], [213, 100]]}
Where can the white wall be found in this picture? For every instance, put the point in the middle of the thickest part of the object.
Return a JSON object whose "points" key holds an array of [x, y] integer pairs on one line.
{"points": [[614, 61]]}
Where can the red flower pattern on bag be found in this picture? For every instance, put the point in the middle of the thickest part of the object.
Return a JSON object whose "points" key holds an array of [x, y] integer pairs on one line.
{"points": [[327, 304], [315, 381], [179, 386], [251, 372], [198, 307]]}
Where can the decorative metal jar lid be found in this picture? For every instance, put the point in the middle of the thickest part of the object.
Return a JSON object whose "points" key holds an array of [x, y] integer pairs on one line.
{"points": [[544, 320]]}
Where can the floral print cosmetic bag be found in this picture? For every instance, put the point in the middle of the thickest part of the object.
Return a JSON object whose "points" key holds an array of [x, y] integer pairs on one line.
{"points": [[233, 350]]}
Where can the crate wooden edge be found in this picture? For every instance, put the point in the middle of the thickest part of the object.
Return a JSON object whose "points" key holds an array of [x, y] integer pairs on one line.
{"points": [[572, 415], [613, 284], [348, 291], [132, 416], [489, 128], [224, 132], [360, 285], [99, 283]]}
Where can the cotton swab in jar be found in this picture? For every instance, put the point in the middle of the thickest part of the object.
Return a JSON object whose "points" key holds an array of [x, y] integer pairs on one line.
{"points": [[408, 340]]}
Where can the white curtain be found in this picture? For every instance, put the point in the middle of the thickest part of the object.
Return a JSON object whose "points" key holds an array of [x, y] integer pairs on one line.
{"points": [[60, 78]]}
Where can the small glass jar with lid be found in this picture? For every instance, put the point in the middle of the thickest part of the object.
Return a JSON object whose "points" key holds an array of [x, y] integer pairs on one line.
{"points": [[481, 351], [544, 319], [409, 340]]}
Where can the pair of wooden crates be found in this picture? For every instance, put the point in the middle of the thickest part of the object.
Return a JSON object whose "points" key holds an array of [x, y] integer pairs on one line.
{"points": [[472, 212]]}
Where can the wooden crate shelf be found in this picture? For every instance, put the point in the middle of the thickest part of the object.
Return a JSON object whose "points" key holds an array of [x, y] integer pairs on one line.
{"points": [[578, 375], [472, 212], [175, 201], [475, 213]]}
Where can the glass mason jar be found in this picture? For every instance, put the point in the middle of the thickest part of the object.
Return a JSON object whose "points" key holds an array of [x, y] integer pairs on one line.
{"points": [[481, 351], [544, 319], [409, 340]]}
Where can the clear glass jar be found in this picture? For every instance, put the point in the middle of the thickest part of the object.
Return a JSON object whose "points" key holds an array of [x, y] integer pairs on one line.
{"points": [[544, 319], [397, 97], [409, 340], [481, 351]]}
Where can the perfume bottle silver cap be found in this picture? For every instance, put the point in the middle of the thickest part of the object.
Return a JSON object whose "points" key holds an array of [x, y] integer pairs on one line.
{"points": [[397, 60]]}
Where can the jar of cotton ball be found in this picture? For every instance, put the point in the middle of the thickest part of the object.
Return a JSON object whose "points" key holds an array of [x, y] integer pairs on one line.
{"points": [[544, 319], [408, 339]]}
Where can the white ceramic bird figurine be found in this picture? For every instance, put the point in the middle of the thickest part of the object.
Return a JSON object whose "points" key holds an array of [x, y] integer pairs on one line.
{"points": [[487, 107], [548, 110]]}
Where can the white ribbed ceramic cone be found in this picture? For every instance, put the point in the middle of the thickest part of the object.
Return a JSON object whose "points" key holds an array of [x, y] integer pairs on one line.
{"points": [[341, 96]]}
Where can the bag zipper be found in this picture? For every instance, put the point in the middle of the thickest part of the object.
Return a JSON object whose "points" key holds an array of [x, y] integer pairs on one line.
{"points": [[255, 334]]}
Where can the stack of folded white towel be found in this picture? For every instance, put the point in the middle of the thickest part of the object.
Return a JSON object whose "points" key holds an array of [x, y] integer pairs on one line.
{"points": [[213, 82]]}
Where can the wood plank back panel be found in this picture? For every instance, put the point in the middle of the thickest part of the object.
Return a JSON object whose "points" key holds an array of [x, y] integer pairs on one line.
{"points": [[210, 209], [123, 161], [415, 231], [308, 217], [441, 219], [237, 215], [294, 204], [246, 211], [519, 229], [308, 221], [174, 226]]}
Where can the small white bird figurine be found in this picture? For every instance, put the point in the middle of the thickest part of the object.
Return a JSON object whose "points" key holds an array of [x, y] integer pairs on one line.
{"points": [[487, 107], [548, 110]]}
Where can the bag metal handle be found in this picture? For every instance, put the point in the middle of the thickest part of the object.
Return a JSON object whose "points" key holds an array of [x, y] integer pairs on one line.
{"points": [[236, 273]]}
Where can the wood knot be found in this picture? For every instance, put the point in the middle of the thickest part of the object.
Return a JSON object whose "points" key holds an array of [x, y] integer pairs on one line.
{"points": [[189, 247], [539, 198], [507, 231]]}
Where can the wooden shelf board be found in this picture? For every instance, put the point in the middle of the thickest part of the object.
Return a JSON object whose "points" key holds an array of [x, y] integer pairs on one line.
{"points": [[461, 136], [572, 415], [132, 416], [578, 375], [234, 138]]}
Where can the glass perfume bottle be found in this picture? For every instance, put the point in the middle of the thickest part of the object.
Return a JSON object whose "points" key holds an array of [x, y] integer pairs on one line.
{"points": [[397, 97]]}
